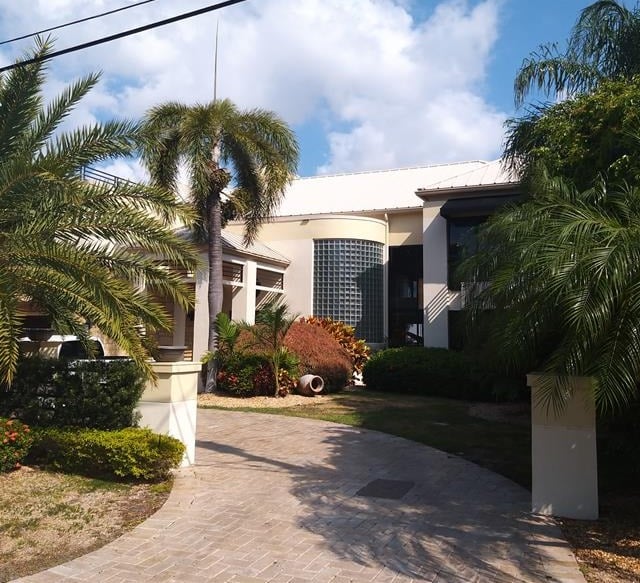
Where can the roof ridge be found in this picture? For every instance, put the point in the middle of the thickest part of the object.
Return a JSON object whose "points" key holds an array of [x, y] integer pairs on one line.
{"points": [[381, 171], [470, 171]]}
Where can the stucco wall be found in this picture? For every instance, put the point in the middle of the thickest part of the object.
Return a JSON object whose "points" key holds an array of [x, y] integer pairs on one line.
{"points": [[405, 228], [294, 239]]}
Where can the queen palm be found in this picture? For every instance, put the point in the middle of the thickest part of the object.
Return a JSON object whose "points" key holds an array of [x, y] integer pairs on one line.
{"points": [[77, 250], [604, 44], [247, 156]]}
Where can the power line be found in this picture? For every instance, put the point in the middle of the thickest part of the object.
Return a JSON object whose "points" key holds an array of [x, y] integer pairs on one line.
{"points": [[119, 35], [11, 40]]}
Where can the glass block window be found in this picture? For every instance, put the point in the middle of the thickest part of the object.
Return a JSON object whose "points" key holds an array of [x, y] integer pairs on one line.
{"points": [[348, 285]]}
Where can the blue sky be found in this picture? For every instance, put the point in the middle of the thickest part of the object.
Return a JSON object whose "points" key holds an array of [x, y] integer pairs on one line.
{"points": [[366, 84]]}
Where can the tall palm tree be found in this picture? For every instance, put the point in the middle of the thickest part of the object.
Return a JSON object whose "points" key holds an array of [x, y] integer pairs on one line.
{"points": [[251, 156], [564, 278], [76, 249], [603, 44]]}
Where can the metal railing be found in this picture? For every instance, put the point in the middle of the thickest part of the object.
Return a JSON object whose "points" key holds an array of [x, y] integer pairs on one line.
{"points": [[94, 175]]}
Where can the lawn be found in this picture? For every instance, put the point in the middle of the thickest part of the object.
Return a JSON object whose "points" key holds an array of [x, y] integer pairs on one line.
{"points": [[48, 518]]}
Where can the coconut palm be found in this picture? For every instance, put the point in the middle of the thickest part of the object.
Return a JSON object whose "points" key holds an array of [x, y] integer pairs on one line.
{"points": [[77, 250], [249, 156], [604, 44], [564, 278]]}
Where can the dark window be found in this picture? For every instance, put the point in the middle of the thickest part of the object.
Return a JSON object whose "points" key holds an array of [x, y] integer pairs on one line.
{"points": [[405, 295], [462, 242]]}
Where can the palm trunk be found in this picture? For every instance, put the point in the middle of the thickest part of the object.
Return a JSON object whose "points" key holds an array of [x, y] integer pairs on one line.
{"points": [[215, 291]]}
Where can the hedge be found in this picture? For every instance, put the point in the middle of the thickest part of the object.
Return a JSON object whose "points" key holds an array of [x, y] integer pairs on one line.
{"points": [[128, 454], [94, 393], [438, 372]]}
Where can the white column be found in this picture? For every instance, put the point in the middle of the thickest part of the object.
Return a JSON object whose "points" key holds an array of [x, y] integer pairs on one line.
{"points": [[179, 326], [243, 306], [201, 314], [435, 289], [563, 453], [170, 406]]}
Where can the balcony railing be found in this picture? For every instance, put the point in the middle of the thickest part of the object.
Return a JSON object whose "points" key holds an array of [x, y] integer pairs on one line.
{"points": [[94, 175]]}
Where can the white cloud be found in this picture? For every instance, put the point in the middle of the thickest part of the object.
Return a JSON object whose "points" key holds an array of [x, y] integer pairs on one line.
{"points": [[388, 90]]}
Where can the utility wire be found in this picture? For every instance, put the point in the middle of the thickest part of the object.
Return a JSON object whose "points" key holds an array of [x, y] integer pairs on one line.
{"points": [[11, 40], [119, 35]]}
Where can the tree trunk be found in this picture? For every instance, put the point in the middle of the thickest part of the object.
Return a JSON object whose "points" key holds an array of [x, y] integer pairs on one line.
{"points": [[215, 291]]}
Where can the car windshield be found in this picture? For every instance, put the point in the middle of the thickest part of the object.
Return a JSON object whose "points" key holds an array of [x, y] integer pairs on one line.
{"points": [[74, 349]]}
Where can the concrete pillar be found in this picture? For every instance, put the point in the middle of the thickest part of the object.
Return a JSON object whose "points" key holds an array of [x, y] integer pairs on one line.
{"points": [[435, 288], [201, 315], [179, 326], [243, 304], [170, 406], [563, 452]]}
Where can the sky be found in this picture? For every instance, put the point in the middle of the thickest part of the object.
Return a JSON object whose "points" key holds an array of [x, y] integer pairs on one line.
{"points": [[365, 84]]}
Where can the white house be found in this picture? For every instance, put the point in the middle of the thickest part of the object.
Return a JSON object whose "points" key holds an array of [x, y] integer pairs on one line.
{"points": [[374, 249]]}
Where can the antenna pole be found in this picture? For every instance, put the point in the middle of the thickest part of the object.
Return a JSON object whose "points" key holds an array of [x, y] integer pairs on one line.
{"points": [[215, 67]]}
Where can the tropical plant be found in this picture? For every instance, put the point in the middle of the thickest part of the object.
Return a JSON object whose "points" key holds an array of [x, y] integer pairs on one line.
{"points": [[272, 324], [345, 335], [76, 249], [603, 44], [564, 278], [247, 156], [581, 137]]}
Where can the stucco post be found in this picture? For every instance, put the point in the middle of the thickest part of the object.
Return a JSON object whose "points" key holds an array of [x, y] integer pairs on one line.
{"points": [[563, 453], [179, 325], [201, 315], [435, 288], [170, 406], [243, 304]]}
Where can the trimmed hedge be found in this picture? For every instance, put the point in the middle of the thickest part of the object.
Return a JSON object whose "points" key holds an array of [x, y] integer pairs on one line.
{"points": [[436, 372], [101, 394], [127, 454]]}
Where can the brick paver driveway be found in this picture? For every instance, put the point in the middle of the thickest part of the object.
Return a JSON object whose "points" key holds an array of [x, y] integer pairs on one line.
{"points": [[276, 499]]}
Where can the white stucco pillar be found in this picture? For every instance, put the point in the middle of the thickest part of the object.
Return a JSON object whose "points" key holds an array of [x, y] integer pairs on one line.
{"points": [[435, 288], [179, 326], [563, 453], [201, 315], [170, 406], [243, 304]]}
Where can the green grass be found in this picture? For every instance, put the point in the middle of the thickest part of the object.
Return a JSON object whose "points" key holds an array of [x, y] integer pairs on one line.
{"points": [[441, 423]]}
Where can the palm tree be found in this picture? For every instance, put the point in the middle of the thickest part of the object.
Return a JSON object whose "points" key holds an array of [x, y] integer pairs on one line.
{"points": [[251, 156], [78, 250], [272, 324], [564, 278], [604, 44]]}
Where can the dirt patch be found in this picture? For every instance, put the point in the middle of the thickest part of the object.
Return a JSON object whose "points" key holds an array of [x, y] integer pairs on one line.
{"points": [[608, 550], [229, 402], [48, 518]]}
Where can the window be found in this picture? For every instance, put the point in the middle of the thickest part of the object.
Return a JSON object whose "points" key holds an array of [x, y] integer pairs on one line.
{"points": [[348, 284], [462, 242]]}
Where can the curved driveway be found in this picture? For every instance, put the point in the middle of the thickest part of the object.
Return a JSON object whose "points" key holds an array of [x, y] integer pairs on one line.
{"points": [[282, 499]]}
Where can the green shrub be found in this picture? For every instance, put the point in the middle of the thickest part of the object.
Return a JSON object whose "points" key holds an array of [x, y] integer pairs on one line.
{"points": [[15, 441], [128, 454], [238, 374], [320, 354], [429, 371], [94, 393], [618, 453]]}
